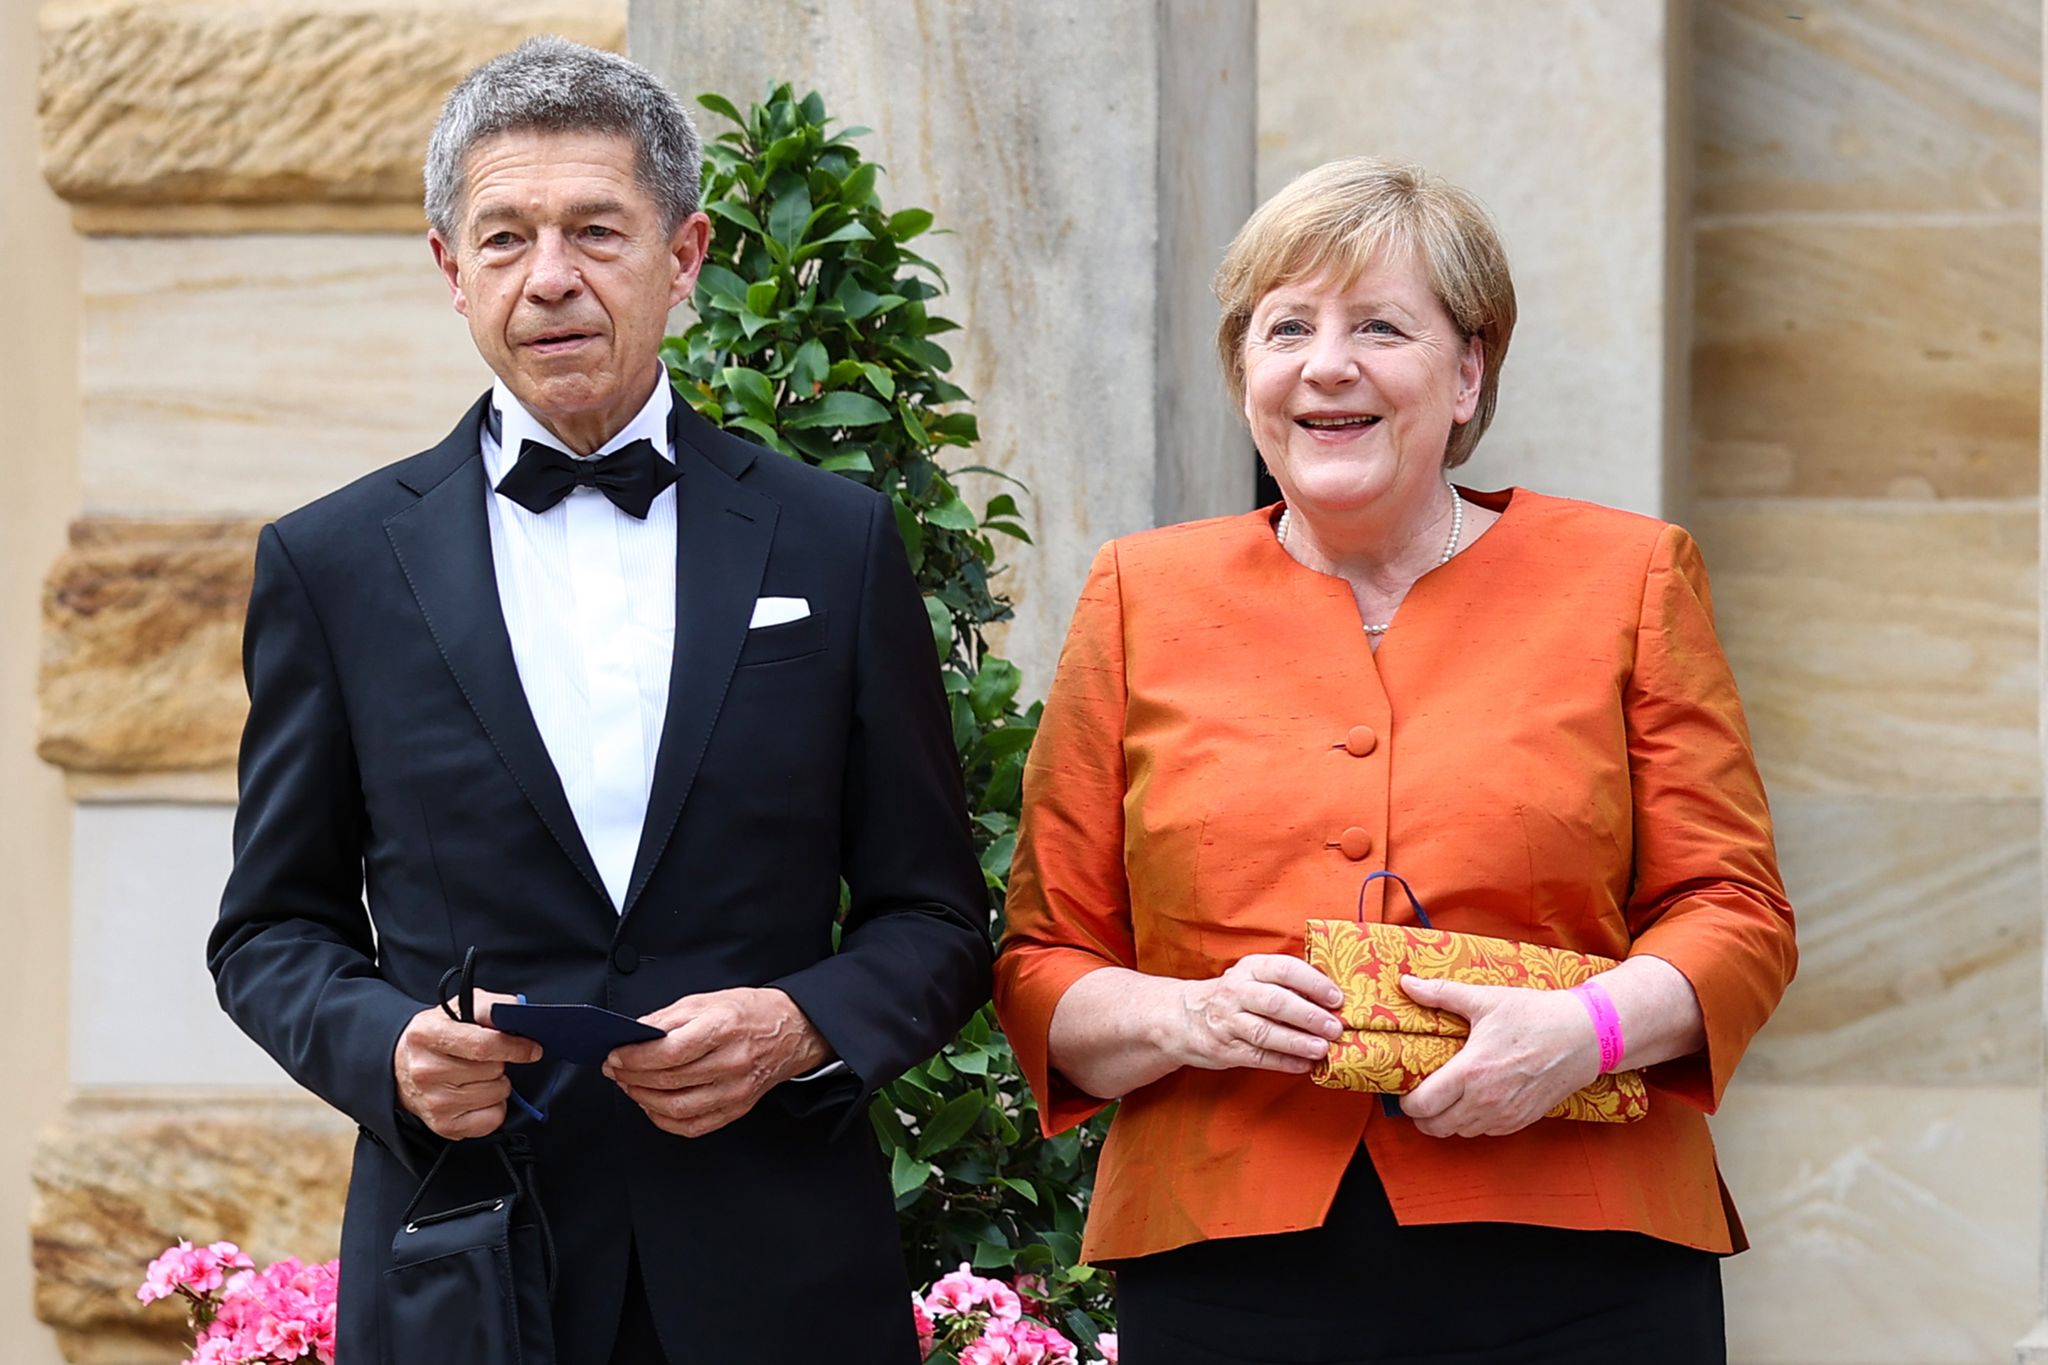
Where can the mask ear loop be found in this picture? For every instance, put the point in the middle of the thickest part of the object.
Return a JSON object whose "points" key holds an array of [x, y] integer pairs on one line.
{"points": [[1421, 915]]}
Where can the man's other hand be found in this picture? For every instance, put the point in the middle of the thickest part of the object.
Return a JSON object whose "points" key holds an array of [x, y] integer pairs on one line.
{"points": [[724, 1051], [451, 1076]]}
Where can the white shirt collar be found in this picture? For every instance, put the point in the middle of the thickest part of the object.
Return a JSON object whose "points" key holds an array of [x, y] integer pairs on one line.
{"points": [[520, 425]]}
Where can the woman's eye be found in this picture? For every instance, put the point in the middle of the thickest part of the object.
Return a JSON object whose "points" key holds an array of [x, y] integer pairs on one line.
{"points": [[1380, 328], [1290, 327]]}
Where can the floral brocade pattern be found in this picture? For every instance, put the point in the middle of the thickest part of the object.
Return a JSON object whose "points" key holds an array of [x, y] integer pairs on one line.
{"points": [[1390, 1043]]}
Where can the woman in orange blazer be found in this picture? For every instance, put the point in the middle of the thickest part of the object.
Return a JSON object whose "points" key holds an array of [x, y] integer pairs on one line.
{"points": [[1535, 727]]}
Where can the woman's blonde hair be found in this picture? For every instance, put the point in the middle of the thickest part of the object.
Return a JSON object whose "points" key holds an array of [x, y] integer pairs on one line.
{"points": [[1340, 218]]}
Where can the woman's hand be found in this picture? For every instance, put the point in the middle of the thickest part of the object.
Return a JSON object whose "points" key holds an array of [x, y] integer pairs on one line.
{"points": [[1528, 1050], [1116, 1030], [1268, 1012]]}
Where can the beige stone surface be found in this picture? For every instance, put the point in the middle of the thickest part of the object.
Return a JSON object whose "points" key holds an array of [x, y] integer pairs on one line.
{"points": [[1857, 359], [268, 101], [1087, 161], [1888, 1224], [119, 1178], [1868, 104], [39, 394], [250, 375], [142, 646], [1559, 118], [1919, 943], [1883, 648]]}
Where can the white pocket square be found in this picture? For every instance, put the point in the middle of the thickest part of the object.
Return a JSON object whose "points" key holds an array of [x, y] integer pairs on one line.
{"points": [[778, 611]]}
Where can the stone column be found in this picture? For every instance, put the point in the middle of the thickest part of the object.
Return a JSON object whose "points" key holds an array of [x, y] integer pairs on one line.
{"points": [[2033, 1348], [1090, 159], [1569, 122]]}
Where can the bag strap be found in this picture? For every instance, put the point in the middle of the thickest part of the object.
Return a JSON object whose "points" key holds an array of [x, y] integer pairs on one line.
{"points": [[1421, 915], [515, 1154], [1390, 1105]]}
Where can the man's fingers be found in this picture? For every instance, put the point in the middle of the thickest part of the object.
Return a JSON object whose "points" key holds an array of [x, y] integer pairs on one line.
{"points": [[471, 1123], [688, 1042], [692, 1112], [436, 1032]]}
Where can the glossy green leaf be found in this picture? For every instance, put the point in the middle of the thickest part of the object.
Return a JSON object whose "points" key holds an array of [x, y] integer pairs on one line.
{"points": [[838, 408], [909, 223], [719, 104], [950, 1124], [810, 368], [755, 394], [788, 214], [883, 382], [906, 1173], [733, 212], [953, 514]]}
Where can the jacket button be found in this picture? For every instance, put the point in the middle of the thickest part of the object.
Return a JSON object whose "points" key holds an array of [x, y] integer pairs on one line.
{"points": [[1361, 741], [625, 959], [1355, 843]]}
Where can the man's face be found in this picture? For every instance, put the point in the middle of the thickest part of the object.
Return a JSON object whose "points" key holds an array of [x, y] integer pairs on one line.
{"points": [[561, 266]]}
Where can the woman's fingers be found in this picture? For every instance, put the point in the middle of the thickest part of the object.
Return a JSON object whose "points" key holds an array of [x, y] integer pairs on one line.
{"points": [[1289, 973]]}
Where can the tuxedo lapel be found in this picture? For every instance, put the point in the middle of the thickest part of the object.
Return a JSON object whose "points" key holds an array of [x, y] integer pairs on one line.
{"points": [[443, 544], [723, 532]]}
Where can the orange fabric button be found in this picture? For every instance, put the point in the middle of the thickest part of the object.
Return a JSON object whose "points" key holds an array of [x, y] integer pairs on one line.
{"points": [[1355, 842], [1361, 741]]}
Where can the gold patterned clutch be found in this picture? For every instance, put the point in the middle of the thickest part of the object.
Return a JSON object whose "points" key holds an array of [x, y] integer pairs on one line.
{"points": [[1390, 1043]]}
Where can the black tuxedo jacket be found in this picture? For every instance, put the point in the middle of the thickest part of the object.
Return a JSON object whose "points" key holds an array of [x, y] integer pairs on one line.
{"points": [[390, 757]]}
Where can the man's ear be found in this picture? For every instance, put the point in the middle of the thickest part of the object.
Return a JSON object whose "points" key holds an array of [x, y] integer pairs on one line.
{"points": [[688, 244], [444, 257]]}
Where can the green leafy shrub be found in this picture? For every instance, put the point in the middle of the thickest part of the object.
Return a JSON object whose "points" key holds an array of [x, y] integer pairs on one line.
{"points": [[814, 335]]}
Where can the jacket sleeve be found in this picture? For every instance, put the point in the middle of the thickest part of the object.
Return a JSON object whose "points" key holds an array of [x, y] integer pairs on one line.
{"points": [[1707, 896], [913, 959], [1069, 907], [292, 955]]}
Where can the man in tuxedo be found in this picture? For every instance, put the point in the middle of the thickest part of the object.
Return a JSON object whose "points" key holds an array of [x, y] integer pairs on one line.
{"points": [[617, 700]]}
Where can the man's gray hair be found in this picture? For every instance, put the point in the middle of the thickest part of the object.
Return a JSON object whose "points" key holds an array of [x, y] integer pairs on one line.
{"points": [[551, 85]]}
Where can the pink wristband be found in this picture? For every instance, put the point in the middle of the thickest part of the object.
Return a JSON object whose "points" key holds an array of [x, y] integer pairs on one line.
{"points": [[1606, 1023]]}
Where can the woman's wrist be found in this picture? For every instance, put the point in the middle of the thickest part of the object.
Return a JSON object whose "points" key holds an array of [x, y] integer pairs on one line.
{"points": [[1606, 1021]]}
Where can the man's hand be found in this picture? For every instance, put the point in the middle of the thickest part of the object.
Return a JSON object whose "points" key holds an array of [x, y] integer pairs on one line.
{"points": [[451, 1076], [1269, 1012], [1528, 1050], [724, 1051]]}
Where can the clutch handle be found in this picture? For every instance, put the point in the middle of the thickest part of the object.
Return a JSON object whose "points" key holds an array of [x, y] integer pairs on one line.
{"points": [[1421, 915]]}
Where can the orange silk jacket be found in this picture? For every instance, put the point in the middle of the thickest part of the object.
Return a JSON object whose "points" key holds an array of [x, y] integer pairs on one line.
{"points": [[1547, 745]]}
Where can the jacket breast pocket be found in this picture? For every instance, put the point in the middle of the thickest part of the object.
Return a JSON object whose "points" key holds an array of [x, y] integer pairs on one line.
{"points": [[780, 644]]}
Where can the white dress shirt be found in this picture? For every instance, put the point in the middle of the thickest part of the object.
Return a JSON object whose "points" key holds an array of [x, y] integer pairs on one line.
{"points": [[589, 595]]}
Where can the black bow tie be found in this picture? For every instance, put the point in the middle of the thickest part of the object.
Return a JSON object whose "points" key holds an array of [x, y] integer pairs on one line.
{"points": [[630, 476]]}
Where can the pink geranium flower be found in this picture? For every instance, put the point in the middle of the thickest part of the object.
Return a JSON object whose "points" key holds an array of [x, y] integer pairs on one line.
{"points": [[242, 1316], [1106, 1343], [964, 1292]]}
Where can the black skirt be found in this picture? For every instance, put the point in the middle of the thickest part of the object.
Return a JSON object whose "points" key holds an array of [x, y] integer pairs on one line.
{"points": [[1362, 1288]]}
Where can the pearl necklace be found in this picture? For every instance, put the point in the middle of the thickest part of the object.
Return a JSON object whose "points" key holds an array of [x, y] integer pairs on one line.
{"points": [[1450, 546]]}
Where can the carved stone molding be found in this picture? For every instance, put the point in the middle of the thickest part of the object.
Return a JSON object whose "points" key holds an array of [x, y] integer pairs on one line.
{"points": [[270, 115]]}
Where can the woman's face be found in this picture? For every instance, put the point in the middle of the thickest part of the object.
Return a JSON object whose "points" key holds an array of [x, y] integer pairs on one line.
{"points": [[1351, 392]]}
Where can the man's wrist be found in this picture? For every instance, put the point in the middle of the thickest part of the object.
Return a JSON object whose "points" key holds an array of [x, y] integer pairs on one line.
{"points": [[811, 1050]]}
